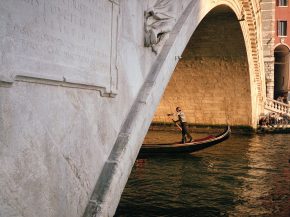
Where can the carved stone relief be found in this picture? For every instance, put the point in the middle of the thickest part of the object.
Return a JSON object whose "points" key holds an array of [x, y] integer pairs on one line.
{"points": [[159, 22], [72, 42]]}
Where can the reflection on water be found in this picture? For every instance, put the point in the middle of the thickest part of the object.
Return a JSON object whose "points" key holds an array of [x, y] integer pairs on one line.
{"points": [[265, 189], [243, 176]]}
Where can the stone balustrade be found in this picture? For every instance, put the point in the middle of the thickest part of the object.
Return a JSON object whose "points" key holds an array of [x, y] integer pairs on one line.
{"points": [[276, 106]]}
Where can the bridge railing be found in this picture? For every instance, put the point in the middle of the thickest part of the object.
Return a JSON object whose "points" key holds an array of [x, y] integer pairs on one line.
{"points": [[276, 106]]}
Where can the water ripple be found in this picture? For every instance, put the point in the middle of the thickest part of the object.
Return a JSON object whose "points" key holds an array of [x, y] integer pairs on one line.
{"points": [[243, 176]]}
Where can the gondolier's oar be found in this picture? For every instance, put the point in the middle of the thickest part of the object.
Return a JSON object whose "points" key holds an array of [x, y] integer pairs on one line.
{"points": [[179, 127]]}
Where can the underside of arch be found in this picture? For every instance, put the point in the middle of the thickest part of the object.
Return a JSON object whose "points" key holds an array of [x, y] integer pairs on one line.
{"points": [[212, 80]]}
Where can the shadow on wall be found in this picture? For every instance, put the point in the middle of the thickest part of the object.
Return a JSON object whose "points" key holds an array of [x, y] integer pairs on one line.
{"points": [[211, 82]]}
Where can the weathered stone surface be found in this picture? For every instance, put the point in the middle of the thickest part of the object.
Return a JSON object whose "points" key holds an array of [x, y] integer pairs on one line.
{"points": [[55, 137], [160, 18], [67, 41], [268, 24]]}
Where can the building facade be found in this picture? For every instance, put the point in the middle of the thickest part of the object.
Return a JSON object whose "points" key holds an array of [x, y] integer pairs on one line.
{"points": [[276, 44], [282, 49]]}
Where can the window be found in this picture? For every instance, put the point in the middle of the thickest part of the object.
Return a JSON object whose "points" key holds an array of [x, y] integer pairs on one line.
{"points": [[282, 28], [282, 2]]}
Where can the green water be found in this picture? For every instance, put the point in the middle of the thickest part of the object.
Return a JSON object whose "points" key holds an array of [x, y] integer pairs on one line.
{"points": [[243, 176]]}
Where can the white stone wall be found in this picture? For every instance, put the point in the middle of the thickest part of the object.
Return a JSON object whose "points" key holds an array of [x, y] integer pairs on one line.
{"points": [[268, 33], [57, 124], [69, 74]]}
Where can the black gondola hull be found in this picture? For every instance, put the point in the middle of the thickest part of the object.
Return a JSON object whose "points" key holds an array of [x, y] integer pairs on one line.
{"points": [[153, 149]]}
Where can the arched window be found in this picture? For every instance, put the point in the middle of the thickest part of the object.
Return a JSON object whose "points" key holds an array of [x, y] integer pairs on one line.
{"points": [[281, 71]]}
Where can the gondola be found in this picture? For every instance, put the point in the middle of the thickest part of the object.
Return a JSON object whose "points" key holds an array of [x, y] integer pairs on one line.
{"points": [[195, 145]]}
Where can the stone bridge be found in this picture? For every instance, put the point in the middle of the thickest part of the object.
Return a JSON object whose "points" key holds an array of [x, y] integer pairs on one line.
{"points": [[78, 91]]}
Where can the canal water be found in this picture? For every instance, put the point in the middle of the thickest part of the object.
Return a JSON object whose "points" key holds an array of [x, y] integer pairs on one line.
{"points": [[247, 175]]}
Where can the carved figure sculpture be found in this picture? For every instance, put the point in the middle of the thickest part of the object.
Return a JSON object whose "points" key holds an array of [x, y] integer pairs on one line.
{"points": [[159, 21]]}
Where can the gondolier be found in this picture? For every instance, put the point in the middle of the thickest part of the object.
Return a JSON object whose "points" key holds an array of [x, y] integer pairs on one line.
{"points": [[177, 147], [182, 121]]}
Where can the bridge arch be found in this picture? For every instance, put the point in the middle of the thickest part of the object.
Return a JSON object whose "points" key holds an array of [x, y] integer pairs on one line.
{"points": [[115, 173], [211, 107], [211, 81]]}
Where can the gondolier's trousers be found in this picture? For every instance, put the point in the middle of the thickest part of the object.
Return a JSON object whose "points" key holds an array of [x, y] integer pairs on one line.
{"points": [[185, 133]]}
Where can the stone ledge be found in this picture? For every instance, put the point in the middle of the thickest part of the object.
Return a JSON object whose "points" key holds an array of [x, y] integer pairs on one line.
{"points": [[276, 129]]}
